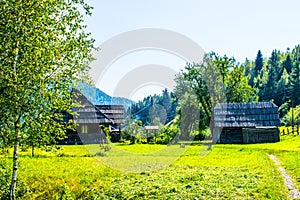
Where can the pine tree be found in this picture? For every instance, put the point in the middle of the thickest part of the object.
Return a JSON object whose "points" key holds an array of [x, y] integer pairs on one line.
{"points": [[287, 64], [259, 61], [273, 69], [274, 62]]}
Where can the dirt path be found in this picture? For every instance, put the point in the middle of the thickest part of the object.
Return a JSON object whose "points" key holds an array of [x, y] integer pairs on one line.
{"points": [[294, 193]]}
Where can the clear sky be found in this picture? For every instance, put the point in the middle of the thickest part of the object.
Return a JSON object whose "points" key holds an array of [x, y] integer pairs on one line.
{"points": [[231, 27]]}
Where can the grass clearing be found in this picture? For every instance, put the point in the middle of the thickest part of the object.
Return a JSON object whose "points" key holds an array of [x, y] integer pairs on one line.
{"points": [[161, 172], [291, 162]]}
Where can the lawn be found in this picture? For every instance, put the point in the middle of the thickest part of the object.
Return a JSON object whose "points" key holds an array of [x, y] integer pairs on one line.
{"points": [[159, 172]]}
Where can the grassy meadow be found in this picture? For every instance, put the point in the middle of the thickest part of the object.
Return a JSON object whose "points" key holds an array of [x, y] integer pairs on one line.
{"points": [[143, 171]]}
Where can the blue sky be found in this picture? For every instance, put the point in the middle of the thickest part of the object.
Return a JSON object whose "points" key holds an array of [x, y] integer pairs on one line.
{"points": [[232, 27]]}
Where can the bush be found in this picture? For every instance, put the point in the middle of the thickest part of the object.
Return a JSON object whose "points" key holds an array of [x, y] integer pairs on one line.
{"points": [[200, 135], [163, 139], [4, 180], [167, 134]]}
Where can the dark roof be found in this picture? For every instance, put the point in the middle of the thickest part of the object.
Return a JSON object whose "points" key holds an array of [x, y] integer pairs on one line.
{"points": [[114, 112], [87, 113], [246, 114]]}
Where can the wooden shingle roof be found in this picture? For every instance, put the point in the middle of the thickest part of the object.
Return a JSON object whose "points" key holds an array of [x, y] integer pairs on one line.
{"points": [[87, 113], [114, 112], [257, 114]]}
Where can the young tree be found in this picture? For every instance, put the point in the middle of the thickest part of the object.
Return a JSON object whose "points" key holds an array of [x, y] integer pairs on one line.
{"points": [[135, 130], [190, 114], [189, 87], [195, 78], [43, 51]]}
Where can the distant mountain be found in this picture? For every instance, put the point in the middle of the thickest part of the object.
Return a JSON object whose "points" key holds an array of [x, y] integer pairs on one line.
{"points": [[98, 97]]}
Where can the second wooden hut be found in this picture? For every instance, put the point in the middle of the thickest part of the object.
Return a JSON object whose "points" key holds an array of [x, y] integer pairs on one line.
{"points": [[246, 123]]}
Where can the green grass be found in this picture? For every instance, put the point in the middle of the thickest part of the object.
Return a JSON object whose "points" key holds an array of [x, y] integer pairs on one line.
{"points": [[159, 172], [288, 130], [287, 151], [291, 162], [140, 148]]}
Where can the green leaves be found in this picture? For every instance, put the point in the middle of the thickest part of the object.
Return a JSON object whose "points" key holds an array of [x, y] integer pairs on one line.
{"points": [[49, 52], [292, 117], [43, 51], [237, 88], [216, 80]]}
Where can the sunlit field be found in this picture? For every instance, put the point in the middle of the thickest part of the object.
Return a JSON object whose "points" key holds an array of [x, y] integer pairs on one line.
{"points": [[144, 171]]}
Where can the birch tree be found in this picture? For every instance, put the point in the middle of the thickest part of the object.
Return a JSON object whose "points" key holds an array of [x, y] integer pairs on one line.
{"points": [[43, 51]]}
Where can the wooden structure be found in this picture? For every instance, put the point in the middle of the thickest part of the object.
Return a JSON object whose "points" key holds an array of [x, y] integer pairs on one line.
{"points": [[116, 115], [151, 131], [245, 123], [88, 119]]}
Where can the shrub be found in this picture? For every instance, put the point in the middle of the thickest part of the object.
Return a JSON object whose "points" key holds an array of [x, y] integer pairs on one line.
{"points": [[292, 115], [4, 180], [200, 135], [167, 134]]}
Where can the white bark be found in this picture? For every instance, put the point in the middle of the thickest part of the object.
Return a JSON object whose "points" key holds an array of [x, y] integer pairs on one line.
{"points": [[15, 162]]}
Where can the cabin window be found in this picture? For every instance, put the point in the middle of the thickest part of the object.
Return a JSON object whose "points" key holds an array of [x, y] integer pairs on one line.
{"points": [[84, 129]]}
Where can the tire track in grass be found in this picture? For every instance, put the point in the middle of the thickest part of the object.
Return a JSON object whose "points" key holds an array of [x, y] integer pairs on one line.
{"points": [[294, 192]]}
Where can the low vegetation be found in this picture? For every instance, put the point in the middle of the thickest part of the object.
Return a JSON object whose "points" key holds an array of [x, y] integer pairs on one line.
{"points": [[156, 171], [289, 130]]}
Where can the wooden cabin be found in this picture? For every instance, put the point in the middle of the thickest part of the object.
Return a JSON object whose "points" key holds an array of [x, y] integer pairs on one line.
{"points": [[116, 115], [237, 123], [89, 118], [151, 132]]}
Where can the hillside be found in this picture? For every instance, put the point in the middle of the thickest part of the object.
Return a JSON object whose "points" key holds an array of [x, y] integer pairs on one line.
{"points": [[98, 97]]}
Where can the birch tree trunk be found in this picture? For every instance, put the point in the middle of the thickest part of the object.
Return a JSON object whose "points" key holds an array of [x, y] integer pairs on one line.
{"points": [[15, 162]]}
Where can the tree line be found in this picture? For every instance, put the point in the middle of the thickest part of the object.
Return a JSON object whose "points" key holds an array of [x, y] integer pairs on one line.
{"points": [[276, 78], [158, 106], [220, 79]]}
